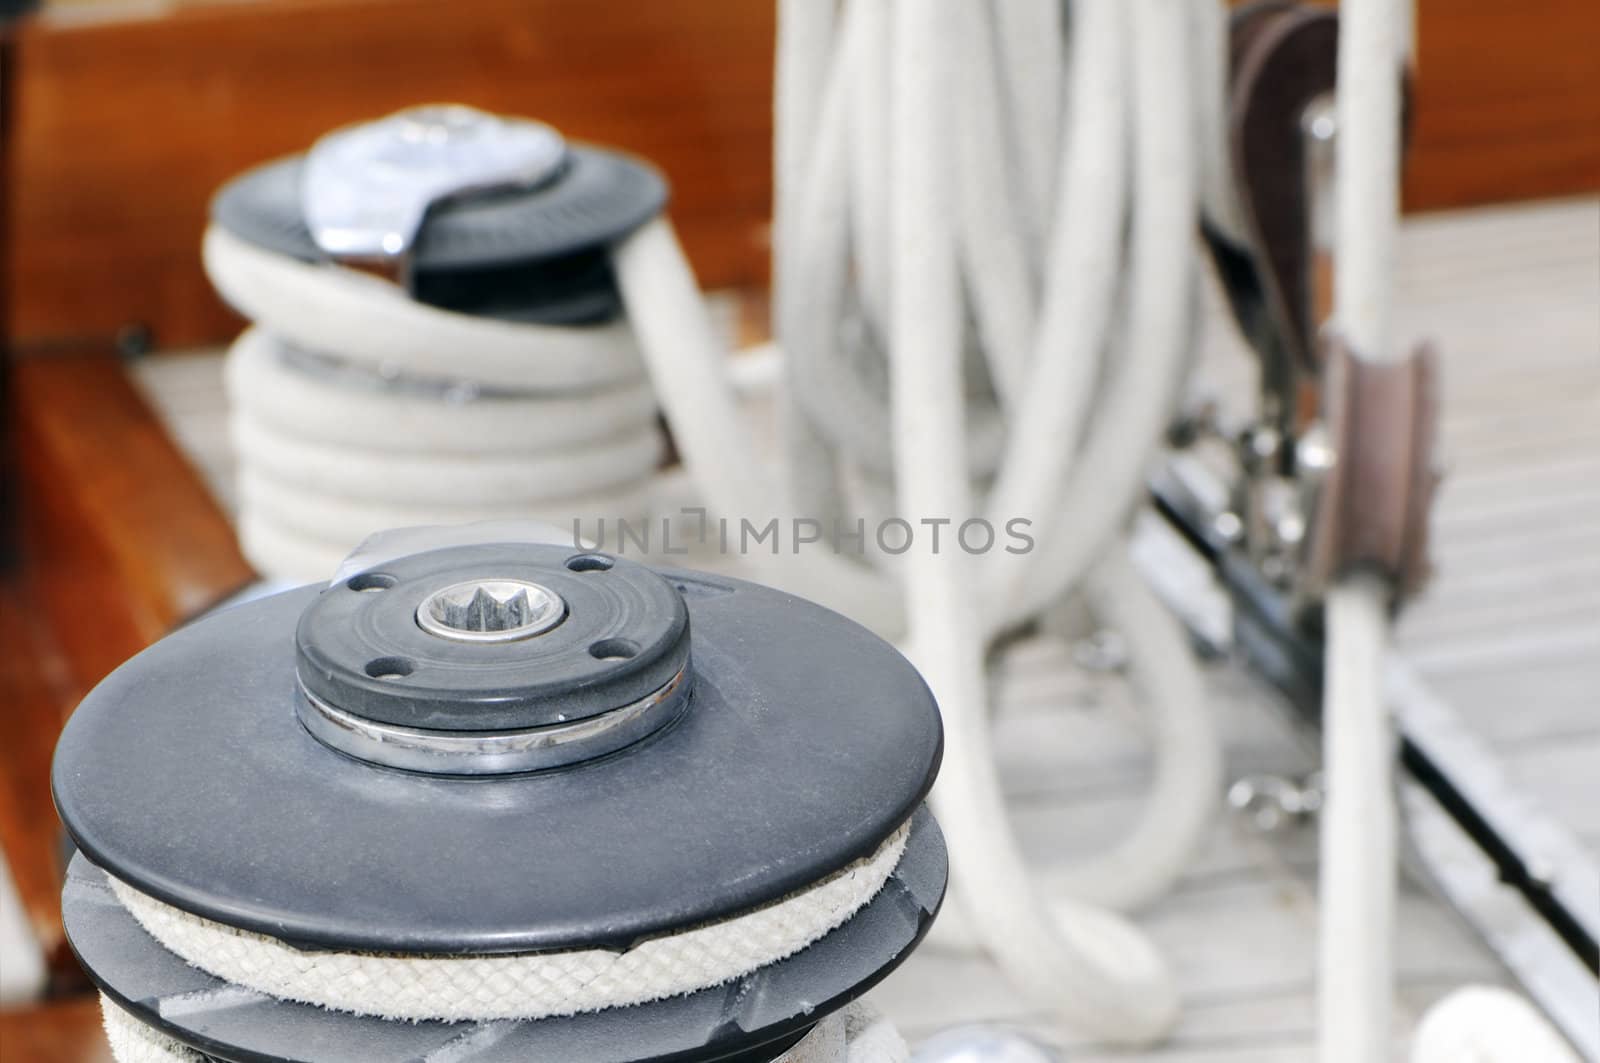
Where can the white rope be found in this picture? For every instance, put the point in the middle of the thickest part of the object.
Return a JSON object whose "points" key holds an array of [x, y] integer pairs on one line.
{"points": [[339, 520], [1484, 1024], [1357, 872], [1358, 822], [937, 142], [518, 986], [675, 331], [1359, 819], [1106, 478], [353, 408], [1158, 847], [333, 311], [856, 1034], [356, 409], [1372, 36], [134, 1042], [274, 548], [697, 392], [1080, 296]]}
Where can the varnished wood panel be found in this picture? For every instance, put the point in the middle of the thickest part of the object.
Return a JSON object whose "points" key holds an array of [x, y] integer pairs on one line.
{"points": [[127, 128], [65, 1031], [1507, 102], [121, 541], [31, 712]]}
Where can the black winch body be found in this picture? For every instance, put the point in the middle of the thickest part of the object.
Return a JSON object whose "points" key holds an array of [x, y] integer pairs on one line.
{"points": [[701, 747]]}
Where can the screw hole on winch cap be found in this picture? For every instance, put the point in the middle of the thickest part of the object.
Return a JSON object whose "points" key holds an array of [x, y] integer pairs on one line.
{"points": [[591, 563], [390, 668], [371, 581], [613, 649]]}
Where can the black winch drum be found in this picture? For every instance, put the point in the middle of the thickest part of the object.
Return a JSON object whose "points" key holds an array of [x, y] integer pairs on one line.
{"points": [[537, 254], [500, 749]]}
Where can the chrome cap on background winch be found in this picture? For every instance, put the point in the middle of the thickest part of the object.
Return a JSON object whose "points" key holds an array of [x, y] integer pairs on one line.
{"points": [[473, 212], [500, 748], [366, 188]]}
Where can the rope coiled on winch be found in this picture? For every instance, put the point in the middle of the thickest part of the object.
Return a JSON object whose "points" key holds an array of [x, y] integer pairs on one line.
{"points": [[357, 408], [519, 986]]}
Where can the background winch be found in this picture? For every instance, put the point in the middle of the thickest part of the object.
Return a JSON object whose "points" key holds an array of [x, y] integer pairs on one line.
{"points": [[438, 335]]}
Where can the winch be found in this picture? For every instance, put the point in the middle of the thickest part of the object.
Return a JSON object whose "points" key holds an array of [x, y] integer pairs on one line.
{"points": [[486, 798], [438, 333]]}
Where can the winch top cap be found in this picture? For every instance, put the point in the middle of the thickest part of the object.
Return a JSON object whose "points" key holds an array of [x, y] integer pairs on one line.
{"points": [[493, 638], [365, 188], [494, 193], [803, 743]]}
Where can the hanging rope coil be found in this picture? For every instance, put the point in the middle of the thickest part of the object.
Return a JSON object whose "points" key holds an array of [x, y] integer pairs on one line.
{"points": [[985, 263]]}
